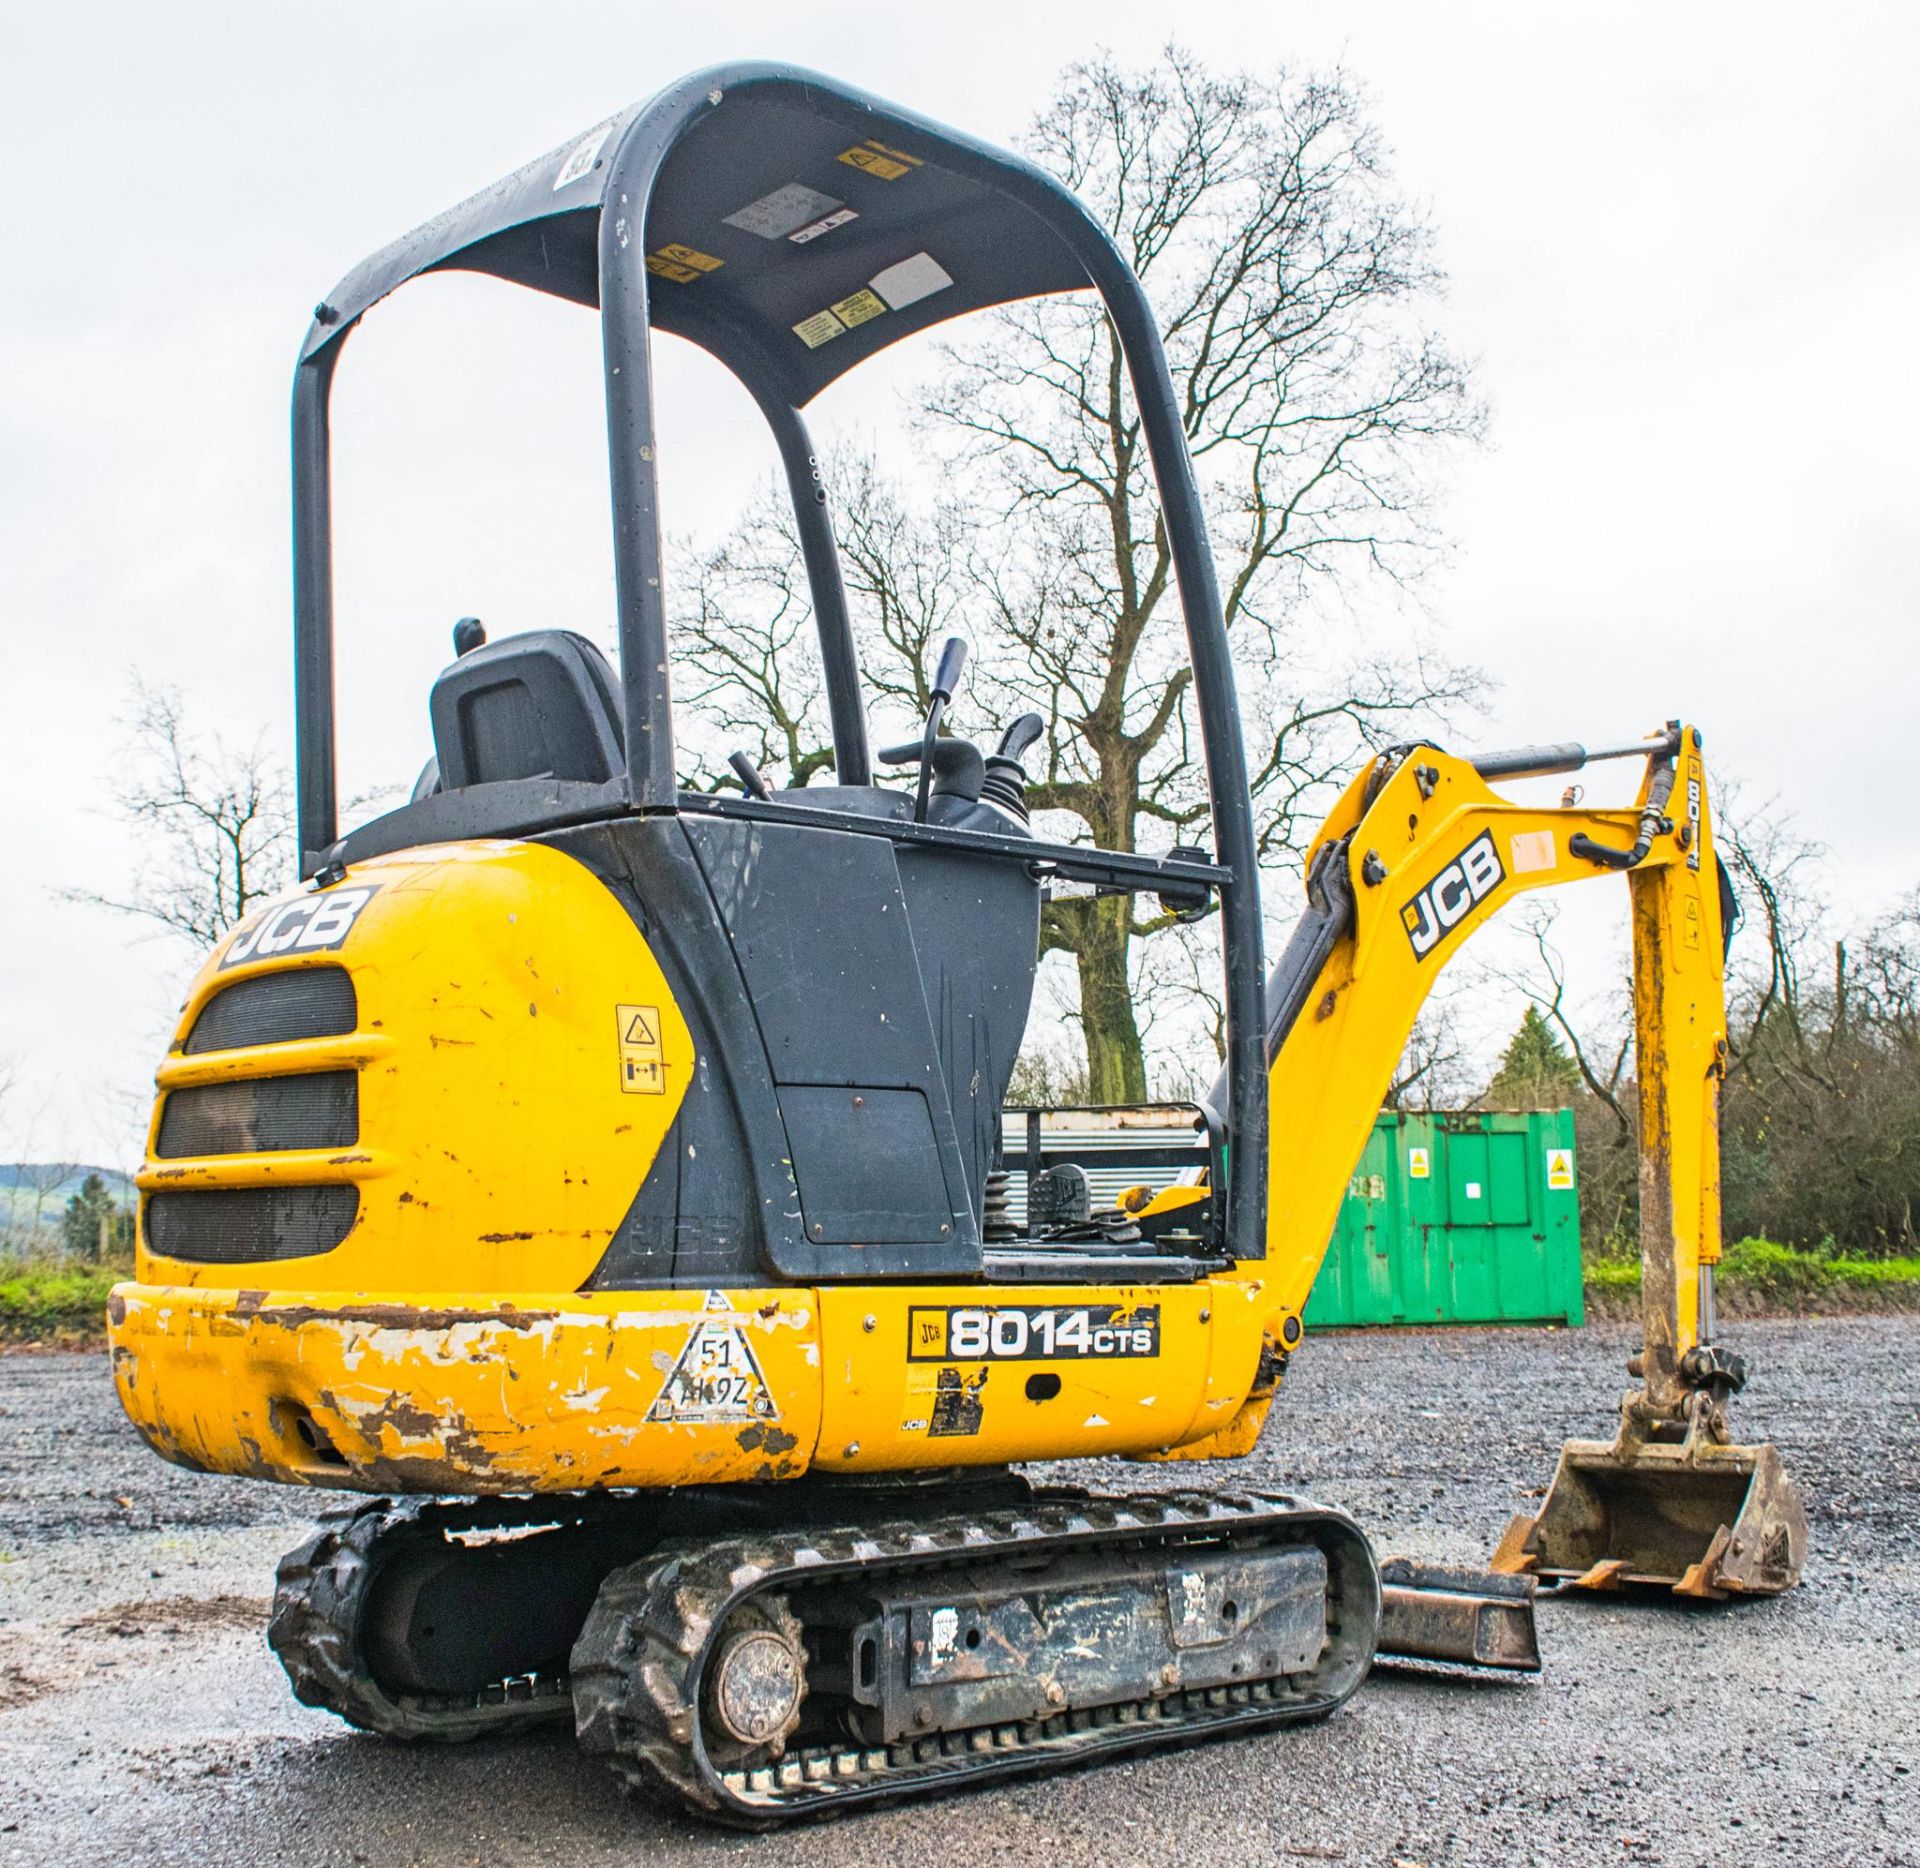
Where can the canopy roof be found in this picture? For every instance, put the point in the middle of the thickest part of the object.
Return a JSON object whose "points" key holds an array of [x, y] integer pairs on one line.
{"points": [[794, 227]]}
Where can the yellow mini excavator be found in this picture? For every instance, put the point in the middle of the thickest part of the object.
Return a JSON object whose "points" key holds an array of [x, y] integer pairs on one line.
{"points": [[616, 1178]]}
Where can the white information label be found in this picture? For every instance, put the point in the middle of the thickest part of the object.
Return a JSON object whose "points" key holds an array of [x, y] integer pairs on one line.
{"points": [[775, 216], [912, 280]]}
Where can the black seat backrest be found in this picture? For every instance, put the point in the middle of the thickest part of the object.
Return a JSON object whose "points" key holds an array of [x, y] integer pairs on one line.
{"points": [[540, 705]]}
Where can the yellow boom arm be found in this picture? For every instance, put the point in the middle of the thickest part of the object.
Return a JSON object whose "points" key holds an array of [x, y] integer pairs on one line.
{"points": [[1419, 853]]}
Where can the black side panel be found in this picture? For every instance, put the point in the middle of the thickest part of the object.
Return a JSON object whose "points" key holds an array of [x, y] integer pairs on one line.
{"points": [[819, 926], [718, 1207], [820, 929], [976, 924], [867, 1163]]}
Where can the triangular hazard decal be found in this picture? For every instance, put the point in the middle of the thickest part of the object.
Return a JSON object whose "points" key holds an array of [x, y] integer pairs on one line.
{"points": [[642, 1028], [716, 1378]]}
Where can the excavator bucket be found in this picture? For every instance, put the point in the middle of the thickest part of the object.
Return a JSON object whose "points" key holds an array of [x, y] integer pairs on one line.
{"points": [[1706, 1521]]}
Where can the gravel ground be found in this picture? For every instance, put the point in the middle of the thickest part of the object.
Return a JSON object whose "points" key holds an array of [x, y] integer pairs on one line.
{"points": [[142, 1716]]}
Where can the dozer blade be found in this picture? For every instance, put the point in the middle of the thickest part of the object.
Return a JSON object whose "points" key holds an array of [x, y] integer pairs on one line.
{"points": [[1706, 1521], [1457, 1616]]}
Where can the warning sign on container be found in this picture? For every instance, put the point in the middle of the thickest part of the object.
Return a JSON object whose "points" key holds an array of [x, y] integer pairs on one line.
{"points": [[1418, 1167], [1560, 1170]]}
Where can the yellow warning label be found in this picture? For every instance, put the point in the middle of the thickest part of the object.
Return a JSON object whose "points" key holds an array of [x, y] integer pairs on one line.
{"points": [[643, 1070], [682, 264], [690, 256], [815, 331], [859, 308], [1560, 1169], [877, 159], [1418, 1164]]}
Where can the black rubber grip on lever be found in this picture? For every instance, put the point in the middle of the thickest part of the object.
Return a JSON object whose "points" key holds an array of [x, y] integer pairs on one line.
{"points": [[1019, 736], [953, 658], [749, 776]]}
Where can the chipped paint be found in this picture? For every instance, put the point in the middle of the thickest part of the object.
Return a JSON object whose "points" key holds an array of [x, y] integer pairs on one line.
{"points": [[482, 1397]]}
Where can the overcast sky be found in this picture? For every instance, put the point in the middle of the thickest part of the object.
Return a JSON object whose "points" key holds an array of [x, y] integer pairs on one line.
{"points": [[1684, 243]]}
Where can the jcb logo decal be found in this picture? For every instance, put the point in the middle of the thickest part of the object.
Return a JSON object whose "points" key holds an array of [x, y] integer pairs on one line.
{"points": [[313, 924], [1471, 877]]}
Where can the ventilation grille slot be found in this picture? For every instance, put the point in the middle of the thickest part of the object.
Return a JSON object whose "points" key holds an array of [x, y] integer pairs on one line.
{"points": [[264, 1113], [242, 1225], [274, 1008]]}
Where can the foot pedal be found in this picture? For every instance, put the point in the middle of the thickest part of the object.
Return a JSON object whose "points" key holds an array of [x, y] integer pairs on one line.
{"points": [[1459, 1616]]}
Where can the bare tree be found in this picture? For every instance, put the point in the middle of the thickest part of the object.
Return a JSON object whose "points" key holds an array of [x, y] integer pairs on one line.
{"points": [[1431, 1071], [1774, 868], [215, 819], [1290, 281]]}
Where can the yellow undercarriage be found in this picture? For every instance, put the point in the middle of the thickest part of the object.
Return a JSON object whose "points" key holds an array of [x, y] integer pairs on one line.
{"points": [[537, 1392]]}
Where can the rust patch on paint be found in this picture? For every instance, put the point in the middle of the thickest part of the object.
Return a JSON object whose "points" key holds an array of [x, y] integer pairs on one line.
{"points": [[762, 1438], [251, 1306]]}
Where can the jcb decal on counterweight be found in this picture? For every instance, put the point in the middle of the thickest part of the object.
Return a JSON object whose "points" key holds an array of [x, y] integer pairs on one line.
{"points": [[317, 923], [1440, 907], [716, 1378]]}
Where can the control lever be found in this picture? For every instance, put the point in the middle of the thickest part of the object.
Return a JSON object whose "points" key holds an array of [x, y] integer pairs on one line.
{"points": [[1005, 784], [957, 766], [751, 782], [946, 679], [1019, 737]]}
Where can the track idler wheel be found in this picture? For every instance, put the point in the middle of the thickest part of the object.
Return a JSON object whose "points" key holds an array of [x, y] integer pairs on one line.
{"points": [[758, 1679]]}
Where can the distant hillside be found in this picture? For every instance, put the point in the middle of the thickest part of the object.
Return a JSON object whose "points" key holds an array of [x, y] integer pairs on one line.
{"points": [[21, 1195]]}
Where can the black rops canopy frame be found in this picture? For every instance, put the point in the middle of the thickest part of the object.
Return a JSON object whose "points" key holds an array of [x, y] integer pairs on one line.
{"points": [[792, 227]]}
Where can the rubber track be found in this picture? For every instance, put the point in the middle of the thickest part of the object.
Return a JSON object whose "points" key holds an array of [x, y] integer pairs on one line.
{"points": [[320, 1593], [634, 1666]]}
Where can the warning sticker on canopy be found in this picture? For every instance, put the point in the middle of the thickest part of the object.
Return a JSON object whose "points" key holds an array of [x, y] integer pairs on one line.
{"points": [[817, 330], [876, 158], [785, 211], [717, 1378], [682, 264], [858, 308]]}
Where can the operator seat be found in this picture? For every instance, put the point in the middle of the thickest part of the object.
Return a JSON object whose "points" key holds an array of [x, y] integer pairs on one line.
{"points": [[540, 705]]}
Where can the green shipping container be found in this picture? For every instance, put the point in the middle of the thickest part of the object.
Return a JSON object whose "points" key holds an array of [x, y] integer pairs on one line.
{"points": [[1465, 1218]]}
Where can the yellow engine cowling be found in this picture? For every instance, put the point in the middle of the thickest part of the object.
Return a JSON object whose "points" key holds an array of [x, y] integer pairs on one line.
{"points": [[401, 1306]]}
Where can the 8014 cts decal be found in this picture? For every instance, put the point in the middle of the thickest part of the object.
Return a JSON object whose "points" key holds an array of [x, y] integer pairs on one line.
{"points": [[1045, 1332]]}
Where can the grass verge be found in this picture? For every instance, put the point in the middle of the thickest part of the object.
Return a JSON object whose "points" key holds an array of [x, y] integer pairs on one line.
{"points": [[55, 1307], [1758, 1277]]}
